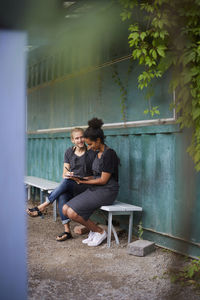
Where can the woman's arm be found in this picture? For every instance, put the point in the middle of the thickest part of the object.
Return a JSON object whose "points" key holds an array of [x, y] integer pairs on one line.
{"points": [[66, 170], [98, 181]]}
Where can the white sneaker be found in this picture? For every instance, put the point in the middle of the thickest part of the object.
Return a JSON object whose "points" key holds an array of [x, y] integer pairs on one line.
{"points": [[89, 238], [98, 238]]}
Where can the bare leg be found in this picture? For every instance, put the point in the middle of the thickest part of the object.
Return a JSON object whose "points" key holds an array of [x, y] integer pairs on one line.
{"points": [[63, 236], [67, 227], [42, 206], [70, 213]]}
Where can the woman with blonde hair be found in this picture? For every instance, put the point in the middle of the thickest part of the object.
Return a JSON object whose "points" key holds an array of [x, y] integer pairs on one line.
{"points": [[77, 161]]}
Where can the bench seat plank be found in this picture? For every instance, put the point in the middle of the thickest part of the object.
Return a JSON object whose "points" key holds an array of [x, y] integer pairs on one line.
{"points": [[44, 185], [41, 183], [120, 206]]}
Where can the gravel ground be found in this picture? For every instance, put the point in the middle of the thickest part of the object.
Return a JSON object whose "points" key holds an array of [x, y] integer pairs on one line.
{"points": [[70, 270]]}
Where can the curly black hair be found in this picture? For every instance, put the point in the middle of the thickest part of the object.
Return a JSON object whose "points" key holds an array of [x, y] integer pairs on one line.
{"points": [[94, 131]]}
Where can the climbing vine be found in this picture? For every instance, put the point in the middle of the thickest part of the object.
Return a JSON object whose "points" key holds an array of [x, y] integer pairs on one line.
{"points": [[167, 39], [123, 86], [151, 110], [123, 91]]}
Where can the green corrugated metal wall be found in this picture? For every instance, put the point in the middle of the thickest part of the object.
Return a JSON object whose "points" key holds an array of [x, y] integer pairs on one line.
{"points": [[94, 93], [70, 83], [154, 173]]}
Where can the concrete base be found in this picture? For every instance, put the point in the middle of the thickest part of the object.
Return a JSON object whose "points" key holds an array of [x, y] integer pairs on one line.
{"points": [[141, 247], [80, 229]]}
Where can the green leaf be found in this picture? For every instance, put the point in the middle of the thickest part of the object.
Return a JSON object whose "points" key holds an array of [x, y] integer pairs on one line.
{"points": [[134, 35], [196, 113], [163, 33], [161, 50], [136, 53], [190, 272], [133, 27], [154, 54], [194, 71], [143, 35]]}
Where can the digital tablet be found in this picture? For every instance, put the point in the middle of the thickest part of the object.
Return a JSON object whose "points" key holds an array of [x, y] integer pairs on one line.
{"points": [[79, 177]]}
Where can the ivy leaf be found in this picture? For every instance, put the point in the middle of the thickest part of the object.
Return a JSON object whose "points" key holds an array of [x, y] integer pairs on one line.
{"points": [[188, 57], [196, 113], [133, 27], [134, 35], [160, 49], [154, 54], [143, 35], [194, 71]]}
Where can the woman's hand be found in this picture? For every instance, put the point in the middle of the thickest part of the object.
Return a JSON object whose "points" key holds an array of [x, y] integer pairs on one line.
{"points": [[98, 181], [78, 181], [88, 177], [68, 174]]}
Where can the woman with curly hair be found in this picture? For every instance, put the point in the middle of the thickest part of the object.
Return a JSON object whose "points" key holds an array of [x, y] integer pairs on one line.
{"points": [[102, 188]]}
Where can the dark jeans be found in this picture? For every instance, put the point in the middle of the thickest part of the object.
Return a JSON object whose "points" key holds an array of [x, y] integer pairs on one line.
{"points": [[63, 193]]}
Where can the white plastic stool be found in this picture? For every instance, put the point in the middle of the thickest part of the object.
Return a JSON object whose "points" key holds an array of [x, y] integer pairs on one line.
{"points": [[119, 208]]}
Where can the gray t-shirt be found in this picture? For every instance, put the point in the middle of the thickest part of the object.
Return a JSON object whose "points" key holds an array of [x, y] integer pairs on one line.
{"points": [[80, 165]]}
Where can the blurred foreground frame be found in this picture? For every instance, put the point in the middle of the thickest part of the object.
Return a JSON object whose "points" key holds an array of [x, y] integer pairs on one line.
{"points": [[15, 21]]}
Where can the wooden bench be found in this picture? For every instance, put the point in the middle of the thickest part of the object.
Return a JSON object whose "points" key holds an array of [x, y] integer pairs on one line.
{"points": [[45, 186], [119, 208]]}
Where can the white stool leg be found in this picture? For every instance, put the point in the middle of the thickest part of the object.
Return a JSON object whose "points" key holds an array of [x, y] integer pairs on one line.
{"points": [[41, 196], [55, 210], [130, 230], [115, 235], [34, 193], [41, 199], [109, 229], [29, 192]]}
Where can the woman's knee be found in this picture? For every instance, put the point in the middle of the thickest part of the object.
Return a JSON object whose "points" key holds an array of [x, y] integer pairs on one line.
{"points": [[71, 213], [65, 210]]}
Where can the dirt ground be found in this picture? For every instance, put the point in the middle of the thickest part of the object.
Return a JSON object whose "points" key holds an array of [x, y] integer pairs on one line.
{"points": [[70, 270]]}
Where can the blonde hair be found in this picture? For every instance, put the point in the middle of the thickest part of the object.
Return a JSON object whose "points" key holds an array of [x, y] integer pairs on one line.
{"points": [[76, 129]]}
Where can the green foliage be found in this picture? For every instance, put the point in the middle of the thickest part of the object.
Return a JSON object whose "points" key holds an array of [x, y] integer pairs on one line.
{"points": [[168, 39], [189, 275], [140, 230], [153, 111]]}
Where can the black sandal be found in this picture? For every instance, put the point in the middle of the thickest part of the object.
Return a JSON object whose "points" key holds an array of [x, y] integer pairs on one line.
{"points": [[32, 210], [64, 236]]}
